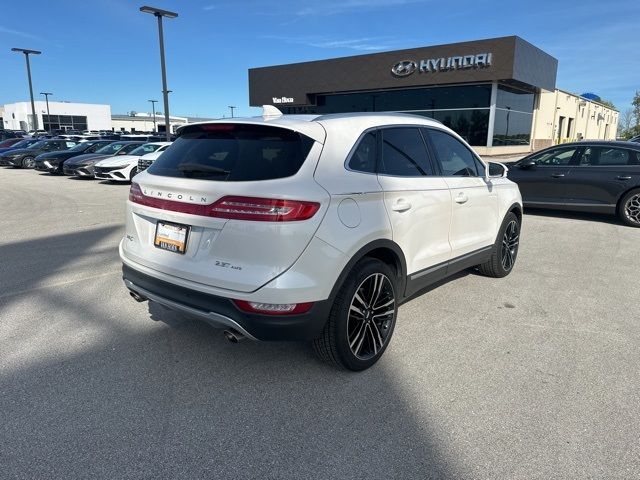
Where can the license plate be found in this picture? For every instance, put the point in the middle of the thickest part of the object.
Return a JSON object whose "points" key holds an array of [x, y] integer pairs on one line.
{"points": [[171, 237]]}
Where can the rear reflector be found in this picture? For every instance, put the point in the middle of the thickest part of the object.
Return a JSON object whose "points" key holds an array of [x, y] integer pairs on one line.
{"points": [[273, 308], [235, 208]]}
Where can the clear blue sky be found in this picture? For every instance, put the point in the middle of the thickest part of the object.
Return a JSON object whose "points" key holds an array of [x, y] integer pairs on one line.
{"points": [[106, 51]]}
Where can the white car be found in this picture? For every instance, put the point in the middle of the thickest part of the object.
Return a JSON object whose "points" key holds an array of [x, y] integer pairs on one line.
{"points": [[124, 168], [314, 227]]}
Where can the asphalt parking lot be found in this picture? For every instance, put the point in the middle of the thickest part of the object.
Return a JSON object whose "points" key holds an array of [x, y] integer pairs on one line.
{"points": [[532, 376]]}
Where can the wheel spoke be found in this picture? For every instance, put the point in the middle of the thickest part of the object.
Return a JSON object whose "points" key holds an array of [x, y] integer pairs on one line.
{"points": [[376, 331], [353, 308], [384, 305], [379, 282], [358, 335], [373, 340], [362, 302], [388, 312]]}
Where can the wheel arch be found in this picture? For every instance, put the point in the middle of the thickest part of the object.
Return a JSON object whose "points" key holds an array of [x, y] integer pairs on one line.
{"points": [[384, 250]]}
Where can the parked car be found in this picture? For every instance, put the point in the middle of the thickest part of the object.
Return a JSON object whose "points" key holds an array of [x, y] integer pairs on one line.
{"points": [[6, 134], [22, 143], [26, 157], [53, 162], [9, 142], [82, 165], [124, 168], [37, 133], [303, 228], [146, 160], [589, 176]]}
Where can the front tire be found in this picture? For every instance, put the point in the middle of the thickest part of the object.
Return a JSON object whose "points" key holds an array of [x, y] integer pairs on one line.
{"points": [[28, 162], [505, 250], [629, 211], [362, 317]]}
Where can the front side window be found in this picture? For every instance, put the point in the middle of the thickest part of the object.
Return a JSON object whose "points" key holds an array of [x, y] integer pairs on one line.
{"points": [[110, 149], [404, 153], [607, 157], [554, 157], [364, 156], [128, 149], [456, 160]]}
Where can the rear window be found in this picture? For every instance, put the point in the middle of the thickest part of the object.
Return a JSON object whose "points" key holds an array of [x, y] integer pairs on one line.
{"points": [[234, 153]]}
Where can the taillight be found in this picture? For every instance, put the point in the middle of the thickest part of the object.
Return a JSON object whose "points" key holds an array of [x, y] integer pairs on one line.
{"points": [[234, 208], [263, 209], [273, 308]]}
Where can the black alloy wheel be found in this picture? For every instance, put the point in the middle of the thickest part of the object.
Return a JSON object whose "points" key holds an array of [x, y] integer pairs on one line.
{"points": [[28, 162], [510, 241], [505, 250], [630, 208], [362, 318]]}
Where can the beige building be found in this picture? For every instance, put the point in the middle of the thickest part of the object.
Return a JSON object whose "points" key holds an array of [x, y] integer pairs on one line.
{"points": [[564, 117]]}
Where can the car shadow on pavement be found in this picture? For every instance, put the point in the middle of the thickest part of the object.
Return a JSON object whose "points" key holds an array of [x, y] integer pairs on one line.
{"points": [[91, 388], [585, 216]]}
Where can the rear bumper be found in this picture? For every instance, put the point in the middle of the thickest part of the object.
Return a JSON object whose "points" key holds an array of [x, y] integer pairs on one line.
{"points": [[221, 312]]}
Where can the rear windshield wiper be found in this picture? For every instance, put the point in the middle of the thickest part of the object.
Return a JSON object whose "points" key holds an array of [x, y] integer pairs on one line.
{"points": [[200, 168]]}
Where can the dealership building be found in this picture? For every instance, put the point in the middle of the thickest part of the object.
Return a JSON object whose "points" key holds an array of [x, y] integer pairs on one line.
{"points": [[499, 94], [60, 116]]}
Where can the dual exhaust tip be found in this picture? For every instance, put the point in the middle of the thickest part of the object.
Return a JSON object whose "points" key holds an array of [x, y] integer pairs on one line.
{"points": [[232, 335]]}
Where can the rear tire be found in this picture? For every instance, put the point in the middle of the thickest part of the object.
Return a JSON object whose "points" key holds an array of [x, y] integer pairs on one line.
{"points": [[28, 162], [629, 210], [362, 318], [505, 250]]}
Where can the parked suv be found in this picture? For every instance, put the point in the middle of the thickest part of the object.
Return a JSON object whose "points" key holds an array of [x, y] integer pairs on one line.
{"points": [[314, 228]]}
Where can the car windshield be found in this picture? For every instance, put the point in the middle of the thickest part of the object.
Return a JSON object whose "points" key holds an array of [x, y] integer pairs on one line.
{"points": [[111, 149], [234, 152], [144, 149], [25, 143], [39, 144], [81, 147]]}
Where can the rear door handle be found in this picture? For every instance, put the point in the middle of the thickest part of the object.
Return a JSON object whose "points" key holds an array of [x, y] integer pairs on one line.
{"points": [[624, 177], [461, 198], [557, 175], [401, 206]]}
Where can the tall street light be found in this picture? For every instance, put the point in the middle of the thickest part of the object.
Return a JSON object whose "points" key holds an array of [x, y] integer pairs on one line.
{"points": [[28, 52], [46, 99], [153, 106], [158, 13], [232, 107]]}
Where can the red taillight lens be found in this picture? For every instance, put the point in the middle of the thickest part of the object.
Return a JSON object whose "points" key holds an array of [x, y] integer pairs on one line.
{"points": [[263, 209], [273, 308], [234, 208]]}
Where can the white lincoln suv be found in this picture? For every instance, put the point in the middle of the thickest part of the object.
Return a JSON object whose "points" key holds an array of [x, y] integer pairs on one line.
{"points": [[314, 227]]}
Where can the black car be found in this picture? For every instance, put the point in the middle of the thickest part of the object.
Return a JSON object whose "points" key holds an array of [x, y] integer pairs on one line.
{"points": [[53, 162], [82, 165], [26, 157], [588, 176]]}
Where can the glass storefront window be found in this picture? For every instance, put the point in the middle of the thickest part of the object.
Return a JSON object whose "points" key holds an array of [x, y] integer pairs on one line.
{"points": [[514, 99], [472, 125], [511, 128]]}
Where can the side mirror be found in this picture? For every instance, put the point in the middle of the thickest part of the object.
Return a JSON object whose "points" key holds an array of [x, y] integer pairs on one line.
{"points": [[527, 164], [497, 170]]}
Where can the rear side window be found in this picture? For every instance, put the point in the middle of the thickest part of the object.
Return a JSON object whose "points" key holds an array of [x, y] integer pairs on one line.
{"points": [[607, 157], [456, 160], [234, 153], [364, 156], [404, 153]]}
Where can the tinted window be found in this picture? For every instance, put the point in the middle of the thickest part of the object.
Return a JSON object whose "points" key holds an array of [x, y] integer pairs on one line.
{"points": [[144, 149], [557, 156], [110, 149], [127, 149], [456, 160], [364, 156], [234, 152], [602, 156], [404, 153]]}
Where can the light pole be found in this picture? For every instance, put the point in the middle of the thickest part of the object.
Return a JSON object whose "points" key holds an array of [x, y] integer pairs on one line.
{"points": [[506, 136], [33, 106], [232, 107], [158, 13], [153, 106], [46, 99]]}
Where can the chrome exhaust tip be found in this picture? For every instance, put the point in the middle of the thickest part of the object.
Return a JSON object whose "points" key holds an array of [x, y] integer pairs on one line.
{"points": [[137, 297], [233, 336]]}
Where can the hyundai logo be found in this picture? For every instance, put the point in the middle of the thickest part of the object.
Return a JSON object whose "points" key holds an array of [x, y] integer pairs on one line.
{"points": [[404, 68]]}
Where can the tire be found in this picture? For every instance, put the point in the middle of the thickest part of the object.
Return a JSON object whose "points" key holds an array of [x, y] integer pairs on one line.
{"points": [[355, 336], [629, 210], [505, 250], [28, 162]]}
